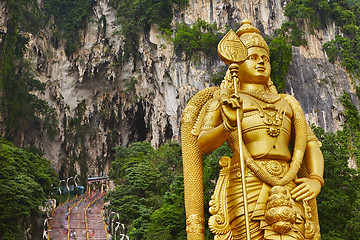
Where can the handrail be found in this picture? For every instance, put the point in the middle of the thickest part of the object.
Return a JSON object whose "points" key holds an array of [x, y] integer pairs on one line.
{"points": [[97, 197], [68, 233], [52, 215], [50, 221], [104, 221]]}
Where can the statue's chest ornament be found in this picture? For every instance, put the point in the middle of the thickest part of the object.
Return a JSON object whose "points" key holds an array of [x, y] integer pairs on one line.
{"points": [[272, 117]]}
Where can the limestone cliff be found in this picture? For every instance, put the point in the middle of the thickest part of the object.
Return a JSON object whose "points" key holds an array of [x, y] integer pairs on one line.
{"points": [[103, 101]]}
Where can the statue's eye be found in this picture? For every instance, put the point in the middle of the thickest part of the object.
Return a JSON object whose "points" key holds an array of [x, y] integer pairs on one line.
{"points": [[252, 57], [266, 59]]}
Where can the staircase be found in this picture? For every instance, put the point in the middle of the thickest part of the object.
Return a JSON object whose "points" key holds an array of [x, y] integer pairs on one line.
{"points": [[79, 219]]}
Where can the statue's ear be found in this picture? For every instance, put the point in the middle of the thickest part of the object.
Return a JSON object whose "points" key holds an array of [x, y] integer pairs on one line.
{"points": [[231, 49]]}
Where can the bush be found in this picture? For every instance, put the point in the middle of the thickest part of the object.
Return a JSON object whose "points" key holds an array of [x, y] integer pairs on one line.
{"points": [[298, 10], [69, 17], [136, 16], [292, 33], [149, 191], [199, 37], [281, 56], [346, 50]]}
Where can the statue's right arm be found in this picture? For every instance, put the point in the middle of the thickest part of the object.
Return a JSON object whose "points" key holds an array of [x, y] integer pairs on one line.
{"points": [[219, 121], [211, 139], [212, 134]]}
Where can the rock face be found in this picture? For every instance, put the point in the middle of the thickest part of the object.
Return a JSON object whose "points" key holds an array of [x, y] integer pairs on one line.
{"points": [[103, 101]]}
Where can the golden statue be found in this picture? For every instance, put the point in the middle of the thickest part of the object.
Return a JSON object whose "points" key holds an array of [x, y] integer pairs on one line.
{"points": [[267, 189]]}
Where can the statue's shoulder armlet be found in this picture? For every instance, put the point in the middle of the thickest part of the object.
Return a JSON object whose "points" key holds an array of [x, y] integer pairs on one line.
{"points": [[209, 116]]}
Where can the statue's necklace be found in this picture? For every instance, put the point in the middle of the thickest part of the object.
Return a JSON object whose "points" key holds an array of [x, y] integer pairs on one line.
{"points": [[263, 95], [272, 119]]}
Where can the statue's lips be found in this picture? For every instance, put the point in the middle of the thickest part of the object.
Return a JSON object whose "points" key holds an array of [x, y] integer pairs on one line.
{"points": [[260, 69]]}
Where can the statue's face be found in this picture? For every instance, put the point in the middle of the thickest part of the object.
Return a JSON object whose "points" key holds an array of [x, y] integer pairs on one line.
{"points": [[256, 68]]}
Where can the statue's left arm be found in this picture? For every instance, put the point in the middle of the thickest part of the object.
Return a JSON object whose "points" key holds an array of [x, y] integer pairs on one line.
{"points": [[310, 187]]}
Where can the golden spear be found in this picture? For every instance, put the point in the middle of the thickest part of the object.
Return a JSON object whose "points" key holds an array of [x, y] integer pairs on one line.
{"points": [[232, 51]]}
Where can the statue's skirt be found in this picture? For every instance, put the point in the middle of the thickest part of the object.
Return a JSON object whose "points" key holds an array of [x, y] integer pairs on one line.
{"points": [[257, 192]]}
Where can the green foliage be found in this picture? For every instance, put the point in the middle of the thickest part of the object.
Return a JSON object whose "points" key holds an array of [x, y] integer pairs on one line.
{"points": [[21, 108], [199, 37], [338, 201], [181, 2], [345, 14], [318, 12], [292, 33], [280, 56], [149, 194], [342, 14], [347, 51], [351, 113], [27, 15], [25, 182], [346, 48], [69, 16], [331, 50], [217, 78], [357, 88], [351, 128], [149, 191], [136, 16], [298, 10], [168, 221], [130, 84]]}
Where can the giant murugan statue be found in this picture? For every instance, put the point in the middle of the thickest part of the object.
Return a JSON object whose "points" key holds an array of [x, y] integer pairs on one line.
{"points": [[267, 189]]}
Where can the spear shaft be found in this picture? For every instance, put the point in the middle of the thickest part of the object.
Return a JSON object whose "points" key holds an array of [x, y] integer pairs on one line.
{"points": [[234, 69]]}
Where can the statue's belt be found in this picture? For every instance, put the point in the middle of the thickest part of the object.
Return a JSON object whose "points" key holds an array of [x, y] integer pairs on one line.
{"points": [[276, 168]]}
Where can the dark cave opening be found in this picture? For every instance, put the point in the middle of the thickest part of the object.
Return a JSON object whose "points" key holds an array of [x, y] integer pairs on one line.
{"points": [[138, 127]]}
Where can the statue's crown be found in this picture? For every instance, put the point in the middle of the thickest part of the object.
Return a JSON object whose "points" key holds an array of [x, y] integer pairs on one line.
{"points": [[250, 35], [233, 47]]}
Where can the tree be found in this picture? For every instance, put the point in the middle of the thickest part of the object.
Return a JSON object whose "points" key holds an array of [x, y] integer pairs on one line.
{"points": [[135, 17], [149, 190], [338, 201], [25, 182], [200, 36], [20, 107], [281, 56], [69, 18]]}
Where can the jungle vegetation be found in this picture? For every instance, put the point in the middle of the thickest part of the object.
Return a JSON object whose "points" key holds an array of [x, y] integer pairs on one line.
{"points": [[20, 88], [136, 16], [26, 181], [345, 14], [68, 18]]}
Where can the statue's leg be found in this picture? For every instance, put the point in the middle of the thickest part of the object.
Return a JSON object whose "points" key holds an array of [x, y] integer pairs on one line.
{"points": [[236, 206]]}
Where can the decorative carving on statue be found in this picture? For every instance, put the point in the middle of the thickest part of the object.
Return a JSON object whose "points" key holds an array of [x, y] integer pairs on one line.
{"points": [[267, 189], [195, 224], [280, 213], [231, 47]]}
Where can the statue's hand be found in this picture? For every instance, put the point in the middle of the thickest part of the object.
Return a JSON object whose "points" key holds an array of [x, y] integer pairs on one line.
{"points": [[306, 190], [229, 105]]}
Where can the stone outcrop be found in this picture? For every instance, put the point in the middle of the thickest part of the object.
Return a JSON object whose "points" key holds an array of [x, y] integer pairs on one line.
{"points": [[103, 101]]}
